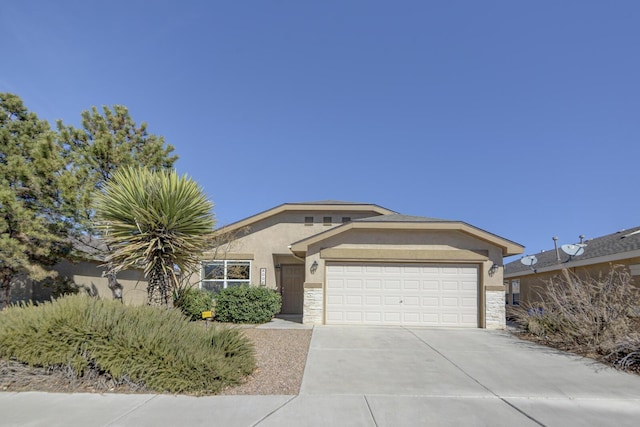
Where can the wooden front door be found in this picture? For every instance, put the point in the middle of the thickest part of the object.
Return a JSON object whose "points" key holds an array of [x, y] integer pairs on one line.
{"points": [[292, 288]]}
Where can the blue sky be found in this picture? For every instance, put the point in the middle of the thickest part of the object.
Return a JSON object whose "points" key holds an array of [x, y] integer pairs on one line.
{"points": [[521, 118]]}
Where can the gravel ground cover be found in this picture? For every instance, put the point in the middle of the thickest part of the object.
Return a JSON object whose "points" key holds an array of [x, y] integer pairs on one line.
{"points": [[281, 356]]}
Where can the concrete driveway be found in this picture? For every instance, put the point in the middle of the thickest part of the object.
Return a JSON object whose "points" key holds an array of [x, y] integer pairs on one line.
{"points": [[359, 376], [418, 376]]}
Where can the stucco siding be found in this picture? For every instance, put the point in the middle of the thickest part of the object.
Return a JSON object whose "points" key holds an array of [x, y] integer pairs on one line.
{"points": [[533, 285], [268, 240], [88, 276]]}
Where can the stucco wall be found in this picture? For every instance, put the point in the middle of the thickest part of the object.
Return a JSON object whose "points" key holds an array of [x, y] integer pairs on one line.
{"points": [[87, 275], [267, 241], [532, 285], [408, 239]]}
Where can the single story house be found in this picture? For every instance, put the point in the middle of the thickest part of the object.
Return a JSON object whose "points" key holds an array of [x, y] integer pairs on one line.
{"points": [[524, 282], [357, 263], [85, 272]]}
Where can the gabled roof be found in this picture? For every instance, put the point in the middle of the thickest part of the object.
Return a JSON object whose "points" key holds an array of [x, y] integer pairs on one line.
{"points": [[612, 247], [323, 205], [395, 221]]}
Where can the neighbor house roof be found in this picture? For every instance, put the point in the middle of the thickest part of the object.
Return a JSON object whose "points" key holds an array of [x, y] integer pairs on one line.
{"points": [[610, 248], [88, 247], [395, 221], [337, 205]]}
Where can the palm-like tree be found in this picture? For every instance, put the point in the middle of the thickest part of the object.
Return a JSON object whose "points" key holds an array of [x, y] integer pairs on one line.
{"points": [[155, 220]]}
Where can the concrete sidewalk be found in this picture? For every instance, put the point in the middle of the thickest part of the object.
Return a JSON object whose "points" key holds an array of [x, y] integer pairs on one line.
{"points": [[359, 376]]}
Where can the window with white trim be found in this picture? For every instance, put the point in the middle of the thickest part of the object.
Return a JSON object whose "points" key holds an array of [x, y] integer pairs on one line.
{"points": [[217, 275], [515, 292]]}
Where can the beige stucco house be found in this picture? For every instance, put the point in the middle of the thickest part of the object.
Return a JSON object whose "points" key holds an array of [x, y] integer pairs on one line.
{"points": [[358, 263], [525, 283], [86, 272]]}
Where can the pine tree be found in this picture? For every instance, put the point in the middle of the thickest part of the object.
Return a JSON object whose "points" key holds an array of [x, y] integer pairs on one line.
{"points": [[105, 143], [35, 214]]}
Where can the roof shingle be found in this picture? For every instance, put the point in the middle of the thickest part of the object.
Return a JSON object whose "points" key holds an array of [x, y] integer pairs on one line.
{"points": [[611, 244]]}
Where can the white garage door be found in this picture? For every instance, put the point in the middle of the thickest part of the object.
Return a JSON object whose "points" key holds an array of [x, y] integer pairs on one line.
{"points": [[402, 294]]}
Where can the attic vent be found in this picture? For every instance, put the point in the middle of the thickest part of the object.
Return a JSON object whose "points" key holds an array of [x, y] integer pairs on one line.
{"points": [[308, 220], [326, 220], [346, 219]]}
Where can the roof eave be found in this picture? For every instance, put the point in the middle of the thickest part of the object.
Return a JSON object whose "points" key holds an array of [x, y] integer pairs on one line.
{"points": [[508, 247], [358, 207]]}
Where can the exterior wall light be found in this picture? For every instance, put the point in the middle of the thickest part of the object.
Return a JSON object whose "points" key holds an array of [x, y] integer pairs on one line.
{"points": [[494, 269], [314, 267]]}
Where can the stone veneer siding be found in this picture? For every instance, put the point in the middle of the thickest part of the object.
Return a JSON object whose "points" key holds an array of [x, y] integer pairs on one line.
{"points": [[312, 311], [495, 315]]}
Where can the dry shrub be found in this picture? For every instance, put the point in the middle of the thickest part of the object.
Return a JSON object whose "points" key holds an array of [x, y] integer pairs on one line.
{"points": [[587, 315]]}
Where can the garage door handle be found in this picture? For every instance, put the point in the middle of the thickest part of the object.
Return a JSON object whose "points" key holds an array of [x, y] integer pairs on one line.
{"points": [[401, 301]]}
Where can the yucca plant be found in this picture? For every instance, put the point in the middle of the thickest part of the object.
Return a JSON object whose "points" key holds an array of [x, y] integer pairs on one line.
{"points": [[156, 220]]}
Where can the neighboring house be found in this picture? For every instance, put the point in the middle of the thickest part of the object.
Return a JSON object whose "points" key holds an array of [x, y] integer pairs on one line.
{"points": [[525, 283], [87, 273], [357, 263]]}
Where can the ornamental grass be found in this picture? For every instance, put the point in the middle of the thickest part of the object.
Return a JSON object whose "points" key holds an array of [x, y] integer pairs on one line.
{"points": [[156, 348]]}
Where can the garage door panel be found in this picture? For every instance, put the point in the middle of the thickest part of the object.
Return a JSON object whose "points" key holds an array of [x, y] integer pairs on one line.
{"points": [[335, 283], [354, 316], [373, 284], [430, 285], [469, 318], [335, 316], [448, 285], [392, 317], [430, 301], [391, 300], [468, 285], [430, 319], [450, 319], [354, 299], [379, 294], [373, 300], [411, 301], [354, 284], [335, 300], [470, 303], [450, 302], [373, 316], [391, 284], [411, 284]]}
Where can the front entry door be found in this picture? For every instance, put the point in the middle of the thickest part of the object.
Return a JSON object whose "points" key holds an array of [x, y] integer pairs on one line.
{"points": [[291, 286]]}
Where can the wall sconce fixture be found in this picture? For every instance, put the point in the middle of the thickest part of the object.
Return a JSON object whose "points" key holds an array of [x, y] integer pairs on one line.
{"points": [[314, 267], [494, 269]]}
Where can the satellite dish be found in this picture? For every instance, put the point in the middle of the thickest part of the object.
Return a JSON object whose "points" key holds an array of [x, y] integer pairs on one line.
{"points": [[573, 250], [529, 261]]}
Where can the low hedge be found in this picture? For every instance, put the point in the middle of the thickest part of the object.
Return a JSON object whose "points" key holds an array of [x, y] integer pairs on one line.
{"points": [[193, 301], [247, 304], [156, 348]]}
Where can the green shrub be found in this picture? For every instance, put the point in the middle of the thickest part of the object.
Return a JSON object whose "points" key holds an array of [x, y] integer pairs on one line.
{"points": [[247, 304], [193, 301], [153, 347]]}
